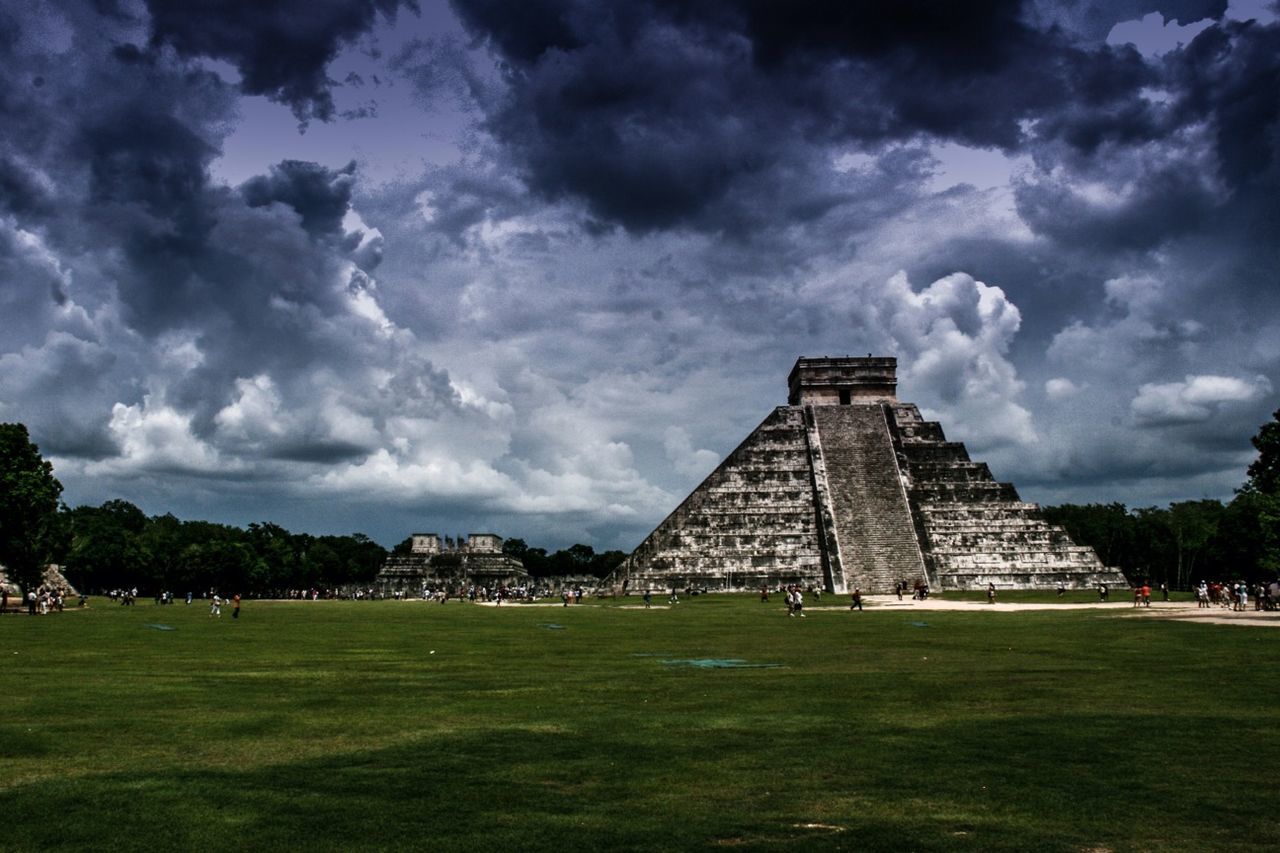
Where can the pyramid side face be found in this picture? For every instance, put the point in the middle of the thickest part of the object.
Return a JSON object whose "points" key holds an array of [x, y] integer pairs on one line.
{"points": [[975, 530], [750, 523]]}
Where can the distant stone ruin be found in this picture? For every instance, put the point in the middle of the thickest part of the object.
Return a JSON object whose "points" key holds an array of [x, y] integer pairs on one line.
{"points": [[53, 579], [847, 487], [448, 563]]}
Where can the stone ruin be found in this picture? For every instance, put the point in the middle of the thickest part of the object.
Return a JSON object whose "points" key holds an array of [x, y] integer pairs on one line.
{"points": [[53, 578], [448, 563], [847, 487]]}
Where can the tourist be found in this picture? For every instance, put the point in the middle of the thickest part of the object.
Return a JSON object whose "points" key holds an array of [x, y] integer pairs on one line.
{"points": [[215, 606], [1102, 592], [991, 593], [235, 606], [764, 594], [899, 587], [1146, 594], [1062, 589], [674, 599], [1202, 596], [798, 604], [31, 603], [857, 599], [1164, 591], [648, 599]]}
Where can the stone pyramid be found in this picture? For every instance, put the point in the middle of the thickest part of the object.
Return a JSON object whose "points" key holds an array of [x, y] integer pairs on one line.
{"points": [[847, 487]]}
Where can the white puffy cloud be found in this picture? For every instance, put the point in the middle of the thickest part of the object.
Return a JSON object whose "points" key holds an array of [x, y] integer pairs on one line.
{"points": [[154, 437], [952, 338], [1193, 400], [1060, 388], [679, 448]]}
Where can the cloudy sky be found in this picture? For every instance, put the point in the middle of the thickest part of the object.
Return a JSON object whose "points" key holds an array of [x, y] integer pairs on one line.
{"points": [[535, 267]]}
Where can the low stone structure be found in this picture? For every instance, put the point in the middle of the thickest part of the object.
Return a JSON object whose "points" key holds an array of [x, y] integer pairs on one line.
{"points": [[53, 579], [436, 563], [847, 487]]}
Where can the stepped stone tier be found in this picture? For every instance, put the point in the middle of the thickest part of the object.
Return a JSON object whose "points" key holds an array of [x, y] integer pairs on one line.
{"points": [[436, 563], [847, 487]]}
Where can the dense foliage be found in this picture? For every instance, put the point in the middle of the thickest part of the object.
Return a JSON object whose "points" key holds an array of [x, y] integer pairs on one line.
{"points": [[29, 532], [1191, 540], [574, 560], [117, 546]]}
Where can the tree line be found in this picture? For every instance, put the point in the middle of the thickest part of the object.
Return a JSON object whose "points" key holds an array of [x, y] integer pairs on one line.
{"points": [[1190, 541], [116, 545]]}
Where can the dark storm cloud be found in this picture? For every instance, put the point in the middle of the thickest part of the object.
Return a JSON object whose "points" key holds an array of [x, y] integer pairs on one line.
{"points": [[1228, 77], [320, 196], [1092, 20], [281, 49], [148, 298], [667, 114], [1165, 205]]}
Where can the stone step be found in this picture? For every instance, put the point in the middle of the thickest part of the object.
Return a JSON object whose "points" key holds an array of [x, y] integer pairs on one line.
{"points": [[964, 492], [872, 523]]}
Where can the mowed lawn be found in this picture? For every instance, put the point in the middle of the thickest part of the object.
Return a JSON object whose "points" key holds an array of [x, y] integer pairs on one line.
{"points": [[374, 725]]}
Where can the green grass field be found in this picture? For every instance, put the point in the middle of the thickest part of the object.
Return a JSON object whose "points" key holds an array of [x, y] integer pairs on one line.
{"points": [[375, 725]]}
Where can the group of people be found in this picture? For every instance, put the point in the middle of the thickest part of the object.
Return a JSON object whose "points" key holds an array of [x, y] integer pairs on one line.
{"points": [[216, 601], [45, 599], [1236, 595], [795, 601]]}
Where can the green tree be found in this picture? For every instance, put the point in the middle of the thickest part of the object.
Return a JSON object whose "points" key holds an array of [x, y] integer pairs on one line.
{"points": [[1193, 525], [107, 548], [515, 548], [1264, 472], [1260, 498], [29, 527]]}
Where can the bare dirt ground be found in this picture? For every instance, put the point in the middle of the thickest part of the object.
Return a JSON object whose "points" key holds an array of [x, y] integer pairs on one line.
{"points": [[1181, 610]]}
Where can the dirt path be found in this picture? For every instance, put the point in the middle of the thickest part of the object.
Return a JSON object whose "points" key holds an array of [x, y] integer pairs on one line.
{"points": [[1183, 610]]}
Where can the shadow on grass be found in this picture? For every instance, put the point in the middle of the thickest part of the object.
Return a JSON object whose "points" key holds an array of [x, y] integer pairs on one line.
{"points": [[1026, 783]]}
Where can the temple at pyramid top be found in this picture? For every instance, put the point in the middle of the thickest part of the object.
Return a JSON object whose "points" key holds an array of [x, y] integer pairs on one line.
{"points": [[841, 381], [846, 487]]}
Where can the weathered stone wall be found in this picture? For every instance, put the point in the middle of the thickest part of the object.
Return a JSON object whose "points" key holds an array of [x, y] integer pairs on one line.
{"points": [[751, 521], [976, 531], [412, 571]]}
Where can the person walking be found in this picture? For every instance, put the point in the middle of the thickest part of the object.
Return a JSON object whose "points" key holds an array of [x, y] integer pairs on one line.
{"points": [[648, 599], [215, 606], [991, 593], [235, 606], [857, 599]]}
